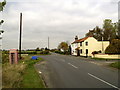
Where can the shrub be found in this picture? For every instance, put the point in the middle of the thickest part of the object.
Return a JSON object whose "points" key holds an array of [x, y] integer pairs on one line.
{"points": [[5, 57], [114, 47], [67, 53], [60, 52], [11, 75], [96, 52], [29, 52], [44, 52]]}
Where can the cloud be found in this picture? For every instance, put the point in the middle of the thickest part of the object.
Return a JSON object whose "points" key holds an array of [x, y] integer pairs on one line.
{"points": [[61, 20]]}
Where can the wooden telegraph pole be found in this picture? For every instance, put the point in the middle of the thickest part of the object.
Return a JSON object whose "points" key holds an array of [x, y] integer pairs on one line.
{"points": [[20, 35], [48, 42]]}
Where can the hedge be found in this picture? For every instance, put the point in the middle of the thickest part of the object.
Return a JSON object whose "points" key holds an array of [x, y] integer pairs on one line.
{"points": [[114, 47]]}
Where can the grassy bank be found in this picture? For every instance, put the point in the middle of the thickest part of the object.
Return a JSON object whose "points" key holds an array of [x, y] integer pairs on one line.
{"points": [[12, 75], [31, 78], [115, 65], [22, 75]]}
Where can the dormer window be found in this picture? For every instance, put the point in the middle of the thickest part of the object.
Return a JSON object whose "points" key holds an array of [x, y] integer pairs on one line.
{"points": [[86, 43]]}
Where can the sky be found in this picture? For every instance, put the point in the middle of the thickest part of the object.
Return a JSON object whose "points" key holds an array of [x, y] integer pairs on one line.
{"points": [[60, 20]]}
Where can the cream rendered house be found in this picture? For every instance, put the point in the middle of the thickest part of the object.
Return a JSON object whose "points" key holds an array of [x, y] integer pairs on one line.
{"points": [[85, 46]]}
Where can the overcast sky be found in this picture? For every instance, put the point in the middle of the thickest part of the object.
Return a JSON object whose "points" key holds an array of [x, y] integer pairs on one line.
{"points": [[61, 20]]}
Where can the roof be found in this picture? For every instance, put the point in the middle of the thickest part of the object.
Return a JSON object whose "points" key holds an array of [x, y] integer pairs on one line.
{"points": [[80, 40]]}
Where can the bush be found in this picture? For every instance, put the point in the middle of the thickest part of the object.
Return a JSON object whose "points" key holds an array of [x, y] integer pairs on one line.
{"points": [[67, 53], [29, 52], [114, 47], [11, 75], [44, 52], [96, 52], [5, 57], [60, 52]]}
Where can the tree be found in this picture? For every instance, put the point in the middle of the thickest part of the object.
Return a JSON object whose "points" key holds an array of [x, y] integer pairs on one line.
{"points": [[64, 46], [96, 33], [109, 30], [2, 5], [114, 47], [46, 48], [37, 49], [90, 33], [118, 30]]}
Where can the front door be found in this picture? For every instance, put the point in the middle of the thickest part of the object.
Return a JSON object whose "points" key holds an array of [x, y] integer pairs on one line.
{"points": [[86, 52]]}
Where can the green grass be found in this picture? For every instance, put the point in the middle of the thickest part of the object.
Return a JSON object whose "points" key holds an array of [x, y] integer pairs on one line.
{"points": [[31, 78], [21, 75], [115, 65]]}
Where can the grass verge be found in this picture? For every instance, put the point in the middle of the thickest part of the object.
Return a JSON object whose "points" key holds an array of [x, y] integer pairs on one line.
{"points": [[21, 75], [12, 75], [31, 78], [115, 65]]}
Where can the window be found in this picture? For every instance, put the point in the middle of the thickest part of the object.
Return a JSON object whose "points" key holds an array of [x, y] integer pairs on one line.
{"points": [[86, 51], [86, 43], [80, 43], [80, 50]]}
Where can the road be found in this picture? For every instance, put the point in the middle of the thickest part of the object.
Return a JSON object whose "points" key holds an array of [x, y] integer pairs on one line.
{"points": [[74, 72]]}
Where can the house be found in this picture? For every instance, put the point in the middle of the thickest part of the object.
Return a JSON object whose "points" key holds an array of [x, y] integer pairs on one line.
{"points": [[85, 46]]}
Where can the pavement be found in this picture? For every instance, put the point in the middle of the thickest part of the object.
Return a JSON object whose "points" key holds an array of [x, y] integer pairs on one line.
{"points": [[64, 71]]}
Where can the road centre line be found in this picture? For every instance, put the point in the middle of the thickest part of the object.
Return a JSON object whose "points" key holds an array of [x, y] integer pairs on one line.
{"points": [[72, 65], [103, 81]]}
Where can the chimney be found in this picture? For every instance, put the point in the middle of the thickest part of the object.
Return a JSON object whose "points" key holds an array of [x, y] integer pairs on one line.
{"points": [[76, 38]]}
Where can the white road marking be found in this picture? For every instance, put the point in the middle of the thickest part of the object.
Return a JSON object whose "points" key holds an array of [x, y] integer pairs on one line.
{"points": [[72, 65], [95, 63], [103, 81], [40, 72]]}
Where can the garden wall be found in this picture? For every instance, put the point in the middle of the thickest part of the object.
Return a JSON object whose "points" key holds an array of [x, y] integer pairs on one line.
{"points": [[106, 56]]}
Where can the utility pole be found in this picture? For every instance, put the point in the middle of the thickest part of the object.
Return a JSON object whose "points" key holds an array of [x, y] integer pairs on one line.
{"points": [[102, 43], [20, 35], [48, 42]]}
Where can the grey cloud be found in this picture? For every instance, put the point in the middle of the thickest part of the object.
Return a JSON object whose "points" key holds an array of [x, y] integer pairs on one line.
{"points": [[61, 20]]}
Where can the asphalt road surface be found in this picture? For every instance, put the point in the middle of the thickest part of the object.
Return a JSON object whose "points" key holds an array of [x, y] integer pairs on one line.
{"points": [[74, 72]]}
